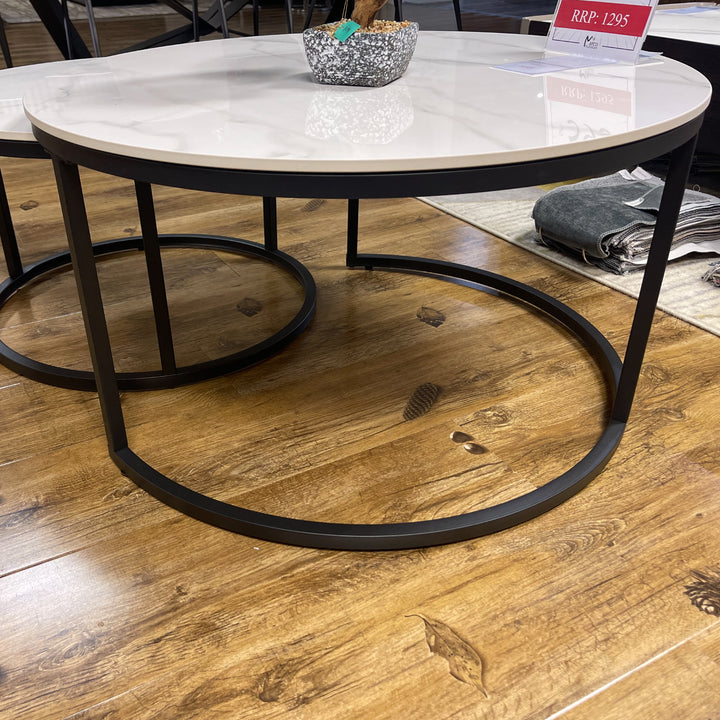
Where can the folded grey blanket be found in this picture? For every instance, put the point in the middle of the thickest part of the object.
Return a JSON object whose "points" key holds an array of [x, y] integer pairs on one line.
{"points": [[609, 221]]}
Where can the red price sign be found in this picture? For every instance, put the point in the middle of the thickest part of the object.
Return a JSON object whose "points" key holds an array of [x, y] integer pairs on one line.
{"points": [[615, 18]]}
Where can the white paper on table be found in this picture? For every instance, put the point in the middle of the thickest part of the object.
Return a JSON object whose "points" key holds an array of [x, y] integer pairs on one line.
{"points": [[554, 62]]}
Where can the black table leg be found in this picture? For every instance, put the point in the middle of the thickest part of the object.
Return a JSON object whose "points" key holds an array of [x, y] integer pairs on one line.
{"points": [[151, 245], [7, 236], [353, 222], [83, 260], [680, 162], [270, 223], [169, 374]]}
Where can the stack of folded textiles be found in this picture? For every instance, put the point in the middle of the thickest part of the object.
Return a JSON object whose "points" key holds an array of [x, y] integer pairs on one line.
{"points": [[609, 221]]}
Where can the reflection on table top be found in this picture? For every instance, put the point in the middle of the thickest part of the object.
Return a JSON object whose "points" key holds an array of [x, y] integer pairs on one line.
{"points": [[14, 125], [252, 104]]}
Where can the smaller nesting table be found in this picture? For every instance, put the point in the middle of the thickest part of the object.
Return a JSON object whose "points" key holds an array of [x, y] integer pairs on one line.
{"points": [[17, 140]]}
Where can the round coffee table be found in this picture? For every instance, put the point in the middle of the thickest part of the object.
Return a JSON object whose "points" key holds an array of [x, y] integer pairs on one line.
{"points": [[17, 140], [245, 116]]}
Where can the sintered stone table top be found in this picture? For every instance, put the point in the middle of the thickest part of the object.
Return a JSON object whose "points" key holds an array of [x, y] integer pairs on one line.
{"points": [[252, 104]]}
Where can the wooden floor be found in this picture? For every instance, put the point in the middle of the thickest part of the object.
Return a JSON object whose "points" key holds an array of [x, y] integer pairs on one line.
{"points": [[113, 605]]}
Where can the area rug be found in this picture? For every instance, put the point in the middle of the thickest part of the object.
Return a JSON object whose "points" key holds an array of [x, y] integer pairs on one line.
{"points": [[507, 215]]}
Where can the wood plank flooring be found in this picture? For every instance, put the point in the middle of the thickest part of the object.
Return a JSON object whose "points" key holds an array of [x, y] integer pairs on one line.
{"points": [[115, 606]]}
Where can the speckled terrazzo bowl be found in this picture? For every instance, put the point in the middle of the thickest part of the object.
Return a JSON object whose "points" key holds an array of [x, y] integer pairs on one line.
{"points": [[367, 59]]}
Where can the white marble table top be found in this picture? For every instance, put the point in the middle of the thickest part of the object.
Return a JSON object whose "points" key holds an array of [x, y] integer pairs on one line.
{"points": [[14, 124], [251, 103], [701, 24]]}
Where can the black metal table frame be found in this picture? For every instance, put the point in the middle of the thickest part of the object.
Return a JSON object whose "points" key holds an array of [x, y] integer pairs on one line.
{"points": [[169, 374], [621, 376]]}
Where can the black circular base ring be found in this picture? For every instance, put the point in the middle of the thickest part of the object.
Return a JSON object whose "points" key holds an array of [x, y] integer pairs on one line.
{"points": [[155, 379], [348, 536]]}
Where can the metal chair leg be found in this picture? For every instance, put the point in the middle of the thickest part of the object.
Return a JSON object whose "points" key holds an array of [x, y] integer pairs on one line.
{"points": [[458, 16], [308, 16], [195, 21], [223, 19], [4, 45], [288, 15], [93, 27]]}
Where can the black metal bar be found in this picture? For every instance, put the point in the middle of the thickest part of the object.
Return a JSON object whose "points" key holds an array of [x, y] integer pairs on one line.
{"points": [[66, 29], [175, 36], [81, 250], [179, 8], [195, 21], [223, 19], [4, 45], [22, 149], [270, 223], [620, 379], [93, 27], [386, 536], [458, 14], [353, 217], [680, 161], [370, 185], [213, 16], [206, 23], [153, 261], [288, 15], [157, 379], [308, 17], [7, 236]]}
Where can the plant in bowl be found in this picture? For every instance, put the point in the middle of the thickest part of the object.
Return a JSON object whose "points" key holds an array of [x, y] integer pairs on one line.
{"points": [[362, 50]]}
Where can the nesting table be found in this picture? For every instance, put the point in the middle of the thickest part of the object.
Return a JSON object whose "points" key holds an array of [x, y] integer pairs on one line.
{"points": [[17, 140], [245, 116]]}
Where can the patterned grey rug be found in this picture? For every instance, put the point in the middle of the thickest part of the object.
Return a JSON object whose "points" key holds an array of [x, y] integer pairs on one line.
{"points": [[507, 215]]}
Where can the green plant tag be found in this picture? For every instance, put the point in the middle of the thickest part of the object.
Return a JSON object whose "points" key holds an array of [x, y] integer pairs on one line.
{"points": [[346, 30]]}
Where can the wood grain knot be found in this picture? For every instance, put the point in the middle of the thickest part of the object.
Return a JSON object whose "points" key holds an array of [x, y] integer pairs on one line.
{"points": [[29, 205], [495, 415], [312, 205], [422, 399], [458, 436], [249, 306], [464, 661], [19, 517], [430, 316], [704, 591], [120, 492], [474, 448], [585, 535]]}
